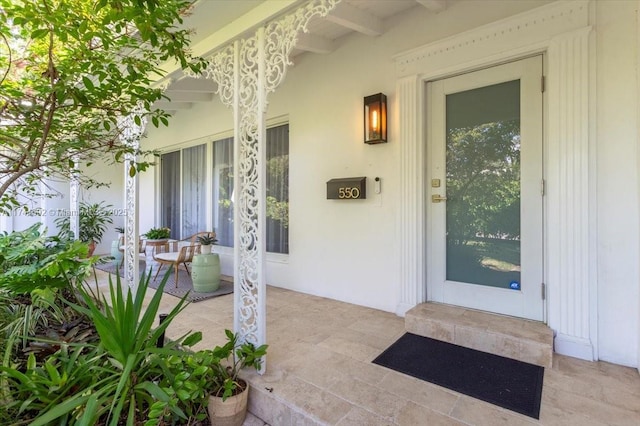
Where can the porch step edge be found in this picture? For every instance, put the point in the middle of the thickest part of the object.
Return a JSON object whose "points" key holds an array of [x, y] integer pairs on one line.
{"points": [[524, 340], [272, 409]]}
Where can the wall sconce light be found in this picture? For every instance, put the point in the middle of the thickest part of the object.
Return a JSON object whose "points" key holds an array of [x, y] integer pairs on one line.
{"points": [[375, 118]]}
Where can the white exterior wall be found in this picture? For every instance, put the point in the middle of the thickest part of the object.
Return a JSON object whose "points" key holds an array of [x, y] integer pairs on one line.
{"points": [[638, 136], [617, 187], [114, 175], [347, 250], [43, 210]]}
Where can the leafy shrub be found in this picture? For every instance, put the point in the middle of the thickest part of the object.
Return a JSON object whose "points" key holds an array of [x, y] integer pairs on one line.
{"points": [[92, 220], [37, 274], [30, 260], [158, 233], [106, 381]]}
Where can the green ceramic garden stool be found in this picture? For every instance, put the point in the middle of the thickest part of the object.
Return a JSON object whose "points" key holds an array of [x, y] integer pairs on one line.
{"points": [[116, 253], [205, 272]]}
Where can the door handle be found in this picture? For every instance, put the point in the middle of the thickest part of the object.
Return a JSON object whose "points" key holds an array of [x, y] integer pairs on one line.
{"points": [[435, 198]]}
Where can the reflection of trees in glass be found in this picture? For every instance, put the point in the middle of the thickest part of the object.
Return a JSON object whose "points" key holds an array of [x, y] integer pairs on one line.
{"points": [[483, 181], [277, 194], [483, 203], [223, 191], [278, 189], [224, 231]]}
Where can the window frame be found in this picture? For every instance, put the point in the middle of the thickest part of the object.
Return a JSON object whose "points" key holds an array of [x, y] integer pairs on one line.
{"points": [[210, 140]]}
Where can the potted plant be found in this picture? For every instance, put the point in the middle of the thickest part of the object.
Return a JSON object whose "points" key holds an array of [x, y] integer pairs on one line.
{"points": [[206, 241], [162, 233], [93, 219], [228, 393]]}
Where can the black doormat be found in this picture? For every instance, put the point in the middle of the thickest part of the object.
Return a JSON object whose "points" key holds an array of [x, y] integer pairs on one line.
{"points": [[508, 383]]}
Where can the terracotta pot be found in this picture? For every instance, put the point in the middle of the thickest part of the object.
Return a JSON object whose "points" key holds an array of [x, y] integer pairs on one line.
{"points": [[92, 247], [230, 412]]}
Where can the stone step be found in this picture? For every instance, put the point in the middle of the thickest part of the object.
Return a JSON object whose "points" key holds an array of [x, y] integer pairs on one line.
{"points": [[271, 408], [516, 338]]}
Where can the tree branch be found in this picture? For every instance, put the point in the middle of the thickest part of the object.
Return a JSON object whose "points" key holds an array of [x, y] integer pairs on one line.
{"points": [[50, 103], [6, 73]]}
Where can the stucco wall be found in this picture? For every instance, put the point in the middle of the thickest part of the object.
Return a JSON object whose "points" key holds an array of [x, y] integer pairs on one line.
{"points": [[43, 210], [346, 249], [638, 144], [113, 174], [617, 174]]}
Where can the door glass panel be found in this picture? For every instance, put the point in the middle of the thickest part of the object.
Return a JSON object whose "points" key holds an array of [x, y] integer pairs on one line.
{"points": [[483, 185]]}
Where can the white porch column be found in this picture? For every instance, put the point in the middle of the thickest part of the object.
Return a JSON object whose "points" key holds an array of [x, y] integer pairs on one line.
{"points": [[411, 221], [245, 73], [132, 129], [74, 202], [571, 198]]}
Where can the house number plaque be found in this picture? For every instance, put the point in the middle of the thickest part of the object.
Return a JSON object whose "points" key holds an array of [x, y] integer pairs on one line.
{"points": [[354, 188]]}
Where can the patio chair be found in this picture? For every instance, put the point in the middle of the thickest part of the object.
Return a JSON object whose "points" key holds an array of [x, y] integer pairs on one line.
{"points": [[184, 255]]}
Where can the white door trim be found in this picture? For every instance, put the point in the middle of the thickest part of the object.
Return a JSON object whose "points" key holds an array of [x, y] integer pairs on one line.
{"points": [[525, 302], [562, 31]]}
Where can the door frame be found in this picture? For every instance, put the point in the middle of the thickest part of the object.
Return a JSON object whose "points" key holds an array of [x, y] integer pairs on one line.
{"points": [[562, 31], [518, 303]]}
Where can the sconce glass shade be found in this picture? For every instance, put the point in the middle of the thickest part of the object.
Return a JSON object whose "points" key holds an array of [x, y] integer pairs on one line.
{"points": [[375, 118]]}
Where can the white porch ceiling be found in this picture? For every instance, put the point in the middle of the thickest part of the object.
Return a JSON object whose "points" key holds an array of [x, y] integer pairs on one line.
{"points": [[218, 22]]}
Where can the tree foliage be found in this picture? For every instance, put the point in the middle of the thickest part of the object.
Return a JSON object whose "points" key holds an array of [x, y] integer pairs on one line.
{"points": [[278, 189], [69, 71], [483, 181]]}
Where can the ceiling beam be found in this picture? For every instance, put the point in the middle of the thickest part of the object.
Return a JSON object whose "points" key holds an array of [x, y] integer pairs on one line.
{"points": [[190, 96], [264, 12], [247, 22], [434, 6], [356, 19], [189, 84], [315, 44], [164, 105]]}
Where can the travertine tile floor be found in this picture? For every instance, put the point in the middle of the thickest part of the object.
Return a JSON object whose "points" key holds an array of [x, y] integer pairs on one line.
{"points": [[319, 363]]}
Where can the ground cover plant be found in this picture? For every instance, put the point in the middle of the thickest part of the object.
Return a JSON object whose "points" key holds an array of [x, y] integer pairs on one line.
{"points": [[105, 380], [71, 356], [38, 274]]}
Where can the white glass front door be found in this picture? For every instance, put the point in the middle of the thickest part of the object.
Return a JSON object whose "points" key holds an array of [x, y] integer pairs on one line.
{"points": [[485, 189]]}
